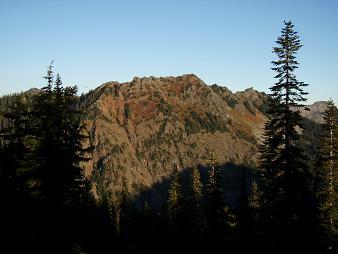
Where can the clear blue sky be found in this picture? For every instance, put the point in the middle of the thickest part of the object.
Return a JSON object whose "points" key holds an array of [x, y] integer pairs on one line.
{"points": [[224, 42]]}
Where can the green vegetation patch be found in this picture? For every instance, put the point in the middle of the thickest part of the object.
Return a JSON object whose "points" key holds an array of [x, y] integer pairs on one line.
{"points": [[249, 107], [194, 123], [127, 111], [245, 136], [164, 107]]}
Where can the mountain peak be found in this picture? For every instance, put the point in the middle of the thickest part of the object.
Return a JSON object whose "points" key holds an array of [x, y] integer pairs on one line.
{"points": [[145, 128], [184, 77], [315, 112]]}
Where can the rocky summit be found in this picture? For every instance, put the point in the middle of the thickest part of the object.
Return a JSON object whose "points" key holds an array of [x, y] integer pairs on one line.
{"points": [[146, 129]]}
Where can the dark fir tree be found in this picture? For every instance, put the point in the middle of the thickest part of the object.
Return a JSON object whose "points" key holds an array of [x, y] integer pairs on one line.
{"points": [[326, 182], [176, 212], [60, 184], [244, 227], [175, 201], [216, 217], [44, 193], [15, 161], [283, 164], [196, 215], [255, 204], [16, 145]]}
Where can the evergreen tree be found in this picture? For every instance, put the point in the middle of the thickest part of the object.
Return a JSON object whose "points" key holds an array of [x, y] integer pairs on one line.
{"points": [[249, 216], [283, 165], [16, 144], [244, 227], [196, 217], [326, 182], [176, 212], [175, 201], [41, 179], [14, 158], [255, 204], [60, 184], [216, 210]]}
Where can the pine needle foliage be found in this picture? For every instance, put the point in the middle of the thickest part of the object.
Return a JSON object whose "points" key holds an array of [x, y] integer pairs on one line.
{"points": [[283, 164], [326, 182]]}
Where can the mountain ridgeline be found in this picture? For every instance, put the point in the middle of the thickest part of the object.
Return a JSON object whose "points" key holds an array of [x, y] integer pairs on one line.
{"points": [[146, 129]]}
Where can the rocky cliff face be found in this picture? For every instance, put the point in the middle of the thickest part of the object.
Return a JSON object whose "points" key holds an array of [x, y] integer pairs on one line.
{"points": [[145, 129], [315, 111]]}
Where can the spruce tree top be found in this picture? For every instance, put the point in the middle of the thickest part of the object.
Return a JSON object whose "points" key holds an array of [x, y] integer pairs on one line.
{"points": [[281, 156], [287, 90]]}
